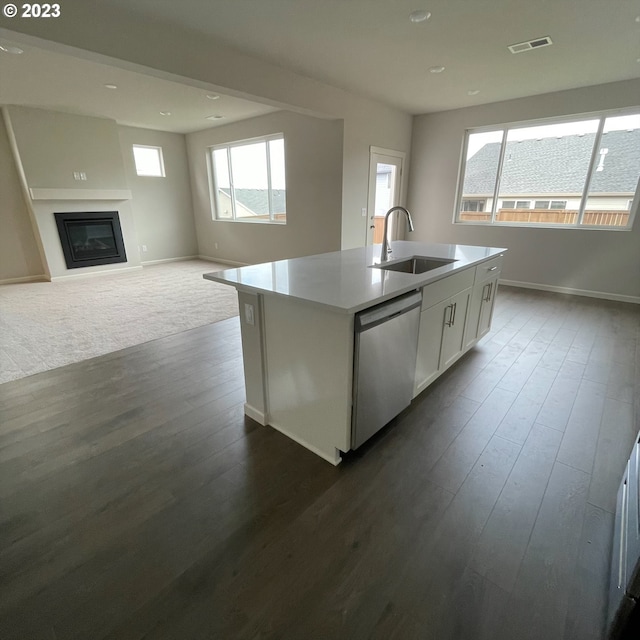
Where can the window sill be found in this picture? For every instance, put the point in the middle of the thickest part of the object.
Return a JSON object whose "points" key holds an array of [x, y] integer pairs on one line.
{"points": [[522, 225], [277, 223]]}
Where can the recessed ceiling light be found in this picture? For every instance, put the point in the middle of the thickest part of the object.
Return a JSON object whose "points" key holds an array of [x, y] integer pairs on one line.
{"points": [[419, 15], [10, 49], [213, 96], [165, 113], [216, 117], [111, 86], [436, 69], [473, 92]]}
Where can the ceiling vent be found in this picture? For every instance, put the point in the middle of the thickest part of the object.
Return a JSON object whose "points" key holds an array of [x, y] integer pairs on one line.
{"points": [[530, 44]]}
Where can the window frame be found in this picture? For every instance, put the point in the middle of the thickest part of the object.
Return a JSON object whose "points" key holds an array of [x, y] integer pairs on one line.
{"points": [[591, 170], [214, 190], [160, 152]]}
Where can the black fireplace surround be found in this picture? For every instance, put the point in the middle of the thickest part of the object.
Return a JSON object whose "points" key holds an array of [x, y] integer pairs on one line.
{"points": [[91, 238]]}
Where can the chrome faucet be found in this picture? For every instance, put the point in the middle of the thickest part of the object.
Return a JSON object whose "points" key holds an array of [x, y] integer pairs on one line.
{"points": [[386, 249]]}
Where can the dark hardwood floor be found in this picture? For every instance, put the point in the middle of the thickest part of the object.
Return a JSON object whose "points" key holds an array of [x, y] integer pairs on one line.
{"points": [[137, 501]]}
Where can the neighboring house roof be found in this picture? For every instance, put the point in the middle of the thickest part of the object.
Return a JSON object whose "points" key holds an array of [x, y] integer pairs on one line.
{"points": [[540, 166], [257, 200]]}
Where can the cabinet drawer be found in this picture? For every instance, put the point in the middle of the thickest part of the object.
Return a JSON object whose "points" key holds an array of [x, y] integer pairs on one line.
{"points": [[489, 269], [446, 288]]}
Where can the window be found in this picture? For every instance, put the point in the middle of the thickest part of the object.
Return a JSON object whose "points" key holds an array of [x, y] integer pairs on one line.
{"points": [[473, 205], [248, 181], [148, 161], [550, 204], [573, 172]]}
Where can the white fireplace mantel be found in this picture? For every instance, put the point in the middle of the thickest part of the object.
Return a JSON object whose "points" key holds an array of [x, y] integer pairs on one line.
{"points": [[79, 194]]}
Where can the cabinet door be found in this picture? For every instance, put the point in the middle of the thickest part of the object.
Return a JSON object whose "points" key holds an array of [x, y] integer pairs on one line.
{"points": [[429, 343], [486, 310], [454, 322], [473, 315]]}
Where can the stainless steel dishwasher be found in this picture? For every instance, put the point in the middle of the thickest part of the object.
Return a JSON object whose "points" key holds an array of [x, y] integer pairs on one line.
{"points": [[386, 345]]}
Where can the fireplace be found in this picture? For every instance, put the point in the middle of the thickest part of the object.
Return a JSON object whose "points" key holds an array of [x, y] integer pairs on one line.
{"points": [[90, 239]]}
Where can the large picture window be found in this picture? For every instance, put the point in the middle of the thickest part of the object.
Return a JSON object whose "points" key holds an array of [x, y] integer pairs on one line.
{"points": [[580, 172], [248, 180]]}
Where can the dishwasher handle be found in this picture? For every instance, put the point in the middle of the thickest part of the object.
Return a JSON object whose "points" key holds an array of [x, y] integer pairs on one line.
{"points": [[374, 316]]}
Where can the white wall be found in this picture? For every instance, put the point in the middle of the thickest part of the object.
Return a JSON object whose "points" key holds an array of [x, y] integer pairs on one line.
{"points": [[51, 146], [162, 207], [578, 259], [19, 256], [54, 145], [313, 159]]}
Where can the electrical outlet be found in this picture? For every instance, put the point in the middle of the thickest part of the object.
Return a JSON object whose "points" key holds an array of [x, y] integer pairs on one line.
{"points": [[144, 248], [248, 314], [215, 244], [364, 212], [76, 175], [83, 176]]}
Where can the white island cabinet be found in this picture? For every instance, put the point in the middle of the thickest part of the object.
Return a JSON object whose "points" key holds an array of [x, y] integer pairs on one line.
{"points": [[297, 323]]}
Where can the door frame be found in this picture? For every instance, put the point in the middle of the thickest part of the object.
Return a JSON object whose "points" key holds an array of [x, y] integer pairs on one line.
{"points": [[391, 156]]}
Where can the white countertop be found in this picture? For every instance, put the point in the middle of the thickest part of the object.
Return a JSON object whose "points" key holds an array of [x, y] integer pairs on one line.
{"points": [[344, 280]]}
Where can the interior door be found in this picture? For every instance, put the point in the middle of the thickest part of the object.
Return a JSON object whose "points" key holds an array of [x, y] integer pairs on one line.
{"points": [[385, 190]]}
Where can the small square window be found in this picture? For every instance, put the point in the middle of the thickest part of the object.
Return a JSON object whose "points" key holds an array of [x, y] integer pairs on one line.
{"points": [[541, 204], [148, 161], [523, 204], [508, 204], [558, 204]]}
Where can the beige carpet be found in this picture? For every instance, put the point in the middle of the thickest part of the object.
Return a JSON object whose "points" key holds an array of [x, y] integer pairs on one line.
{"points": [[44, 325]]}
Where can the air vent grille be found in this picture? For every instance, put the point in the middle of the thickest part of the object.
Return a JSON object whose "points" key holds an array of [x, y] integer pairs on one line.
{"points": [[530, 44]]}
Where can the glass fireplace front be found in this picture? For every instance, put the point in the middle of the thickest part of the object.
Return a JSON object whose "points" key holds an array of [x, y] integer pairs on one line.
{"points": [[91, 238]]}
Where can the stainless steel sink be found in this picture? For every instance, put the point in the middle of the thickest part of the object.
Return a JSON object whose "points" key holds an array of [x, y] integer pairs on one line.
{"points": [[415, 264]]}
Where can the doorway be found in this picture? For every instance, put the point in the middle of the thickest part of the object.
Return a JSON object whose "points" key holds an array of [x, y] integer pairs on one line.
{"points": [[385, 191]]}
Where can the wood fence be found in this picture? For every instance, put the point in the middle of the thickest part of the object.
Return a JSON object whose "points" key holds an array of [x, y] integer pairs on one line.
{"points": [[551, 216]]}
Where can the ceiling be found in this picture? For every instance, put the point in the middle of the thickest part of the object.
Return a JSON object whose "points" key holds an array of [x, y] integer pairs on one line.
{"points": [[369, 47], [60, 82]]}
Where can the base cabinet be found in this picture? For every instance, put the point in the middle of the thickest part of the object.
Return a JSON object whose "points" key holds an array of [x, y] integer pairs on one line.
{"points": [[453, 329], [486, 307], [482, 301], [429, 345], [440, 341], [456, 313]]}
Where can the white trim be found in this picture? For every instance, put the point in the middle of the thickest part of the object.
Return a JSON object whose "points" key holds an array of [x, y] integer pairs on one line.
{"points": [[397, 159], [388, 152], [148, 263], [80, 194], [41, 278], [604, 295], [506, 128], [334, 459], [221, 261], [91, 274], [254, 414]]}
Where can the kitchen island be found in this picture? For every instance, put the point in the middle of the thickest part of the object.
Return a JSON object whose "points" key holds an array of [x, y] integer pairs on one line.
{"points": [[298, 319]]}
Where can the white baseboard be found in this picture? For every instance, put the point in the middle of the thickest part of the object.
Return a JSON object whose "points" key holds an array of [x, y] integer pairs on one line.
{"points": [[254, 414], [91, 274], [221, 261], [148, 263], [618, 297], [40, 278]]}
